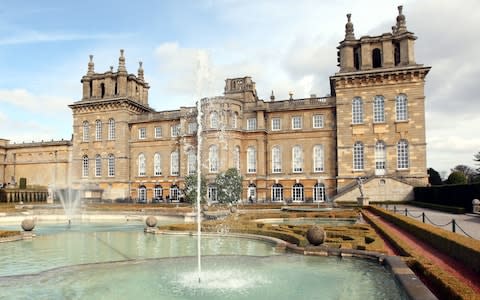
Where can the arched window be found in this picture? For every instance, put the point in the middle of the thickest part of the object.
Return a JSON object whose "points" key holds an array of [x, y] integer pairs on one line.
{"points": [[85, 166], [377, 58], [174, 193], [236, 157], [297, 159], [213, 158], [251, 160], [111, 165], [86, 131], [358, 156], [357, 110], [141, 165], [157, 193], [297, 193], [157, 164], [98, 165], [378, 109], [174, 163], [319, 192], [401, 107], [277, 192], [212, 193], [252, 192], [102, 90], [234, 120], [318, 158], [396, 54], [192, 162], [276, 160], [402, 155], [142, 194], [213, 119], [380, 158], [111, 129], [98, 130]]}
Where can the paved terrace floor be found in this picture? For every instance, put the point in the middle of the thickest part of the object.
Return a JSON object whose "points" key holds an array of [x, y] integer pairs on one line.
{"points": [[466, 224]]}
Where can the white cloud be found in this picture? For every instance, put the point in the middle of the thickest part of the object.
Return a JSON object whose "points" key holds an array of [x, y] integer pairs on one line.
{"points": [[31, 37], [25, 100]]}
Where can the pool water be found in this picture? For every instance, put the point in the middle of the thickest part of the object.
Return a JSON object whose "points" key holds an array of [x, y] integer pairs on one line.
{"points": [[91, 261]]}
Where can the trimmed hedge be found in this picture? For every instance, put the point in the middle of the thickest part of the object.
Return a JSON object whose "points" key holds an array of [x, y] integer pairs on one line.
{"points": [[464, 249], [442, 283], [460, 195], [8, 233]]}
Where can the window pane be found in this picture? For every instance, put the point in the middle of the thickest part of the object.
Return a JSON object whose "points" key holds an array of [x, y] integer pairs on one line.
{"points": [[318, 121], [358, 158], [378, 109], [357, 110]]}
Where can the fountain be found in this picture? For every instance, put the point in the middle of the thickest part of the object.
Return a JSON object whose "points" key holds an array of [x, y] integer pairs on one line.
{"points": [[70, 199]]}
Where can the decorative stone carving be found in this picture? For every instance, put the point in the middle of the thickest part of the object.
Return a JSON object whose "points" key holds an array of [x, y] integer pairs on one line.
{"points": [[28, 224], [151, 221], [316, 235]]}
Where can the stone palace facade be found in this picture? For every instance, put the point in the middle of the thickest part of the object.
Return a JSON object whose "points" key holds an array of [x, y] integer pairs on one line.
{"points": [[371, 126]]}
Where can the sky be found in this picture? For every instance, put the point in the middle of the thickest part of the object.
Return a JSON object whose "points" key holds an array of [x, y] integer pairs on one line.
{"points": [[283, 45]]}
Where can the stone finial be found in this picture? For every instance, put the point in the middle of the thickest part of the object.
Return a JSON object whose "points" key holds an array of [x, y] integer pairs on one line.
{"points": [[140, 70], [272, 97], [401, 23], [111, 69], [291, 95], [90, 66], [349, 35], [394, 29], [121, 62]]}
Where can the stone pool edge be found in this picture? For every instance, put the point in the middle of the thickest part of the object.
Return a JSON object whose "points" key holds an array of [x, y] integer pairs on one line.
{"points": [[410, 283]]}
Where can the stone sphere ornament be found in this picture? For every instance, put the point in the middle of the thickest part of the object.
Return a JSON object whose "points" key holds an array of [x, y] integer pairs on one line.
{"points": [[233, 209], [28, 225], [205, 207], [151, 221], [316, 235]]}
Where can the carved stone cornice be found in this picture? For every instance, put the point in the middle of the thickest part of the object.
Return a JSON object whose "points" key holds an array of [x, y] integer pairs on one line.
{"points": [[380, 76], [109, 104]]}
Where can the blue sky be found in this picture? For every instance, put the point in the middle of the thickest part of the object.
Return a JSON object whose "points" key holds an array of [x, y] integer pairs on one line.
{"points": [[284, 45]]}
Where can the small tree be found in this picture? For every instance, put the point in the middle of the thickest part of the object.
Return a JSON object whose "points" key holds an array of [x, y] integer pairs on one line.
{"points": [[456, 177], [229, 186], [469, 172], [190, 190], [434, 177]]}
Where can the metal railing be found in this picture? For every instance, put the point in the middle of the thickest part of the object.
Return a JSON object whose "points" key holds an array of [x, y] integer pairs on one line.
{"points": [[425, 219]]}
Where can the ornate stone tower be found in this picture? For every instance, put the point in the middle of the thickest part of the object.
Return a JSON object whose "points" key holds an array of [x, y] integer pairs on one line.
{"points": [[101, 131], [380, 107]]}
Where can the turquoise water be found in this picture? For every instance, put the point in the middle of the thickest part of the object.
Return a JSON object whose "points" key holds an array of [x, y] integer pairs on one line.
{"points": [[104, 261]]}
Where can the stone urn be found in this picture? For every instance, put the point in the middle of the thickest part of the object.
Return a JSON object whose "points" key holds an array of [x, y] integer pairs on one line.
{"points": [[28, 224], [233, 209], [151, 221], [316, 235]]}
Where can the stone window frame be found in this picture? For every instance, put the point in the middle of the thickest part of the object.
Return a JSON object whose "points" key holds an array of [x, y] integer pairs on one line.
{"points": [[251, 160], [191, 162], [111, 165], [318, 121], [379, 109], [174, 163], [98, 130], [358, 156], [111, 129], [276, 159], [297, 122], [213, 161], [319, 192], [142, 165], [318, 159], [357, 110], [157, 132], [85, 166], [276, 124], [277, 192], [298, 193], [98, 165], [401, 108], [86, 131], [403, 162], [157, 164], [251, 123], [142, 133], [297, 159]]}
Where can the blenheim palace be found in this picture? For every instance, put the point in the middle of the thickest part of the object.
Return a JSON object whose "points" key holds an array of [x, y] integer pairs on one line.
{"points": [[371, 126]]}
